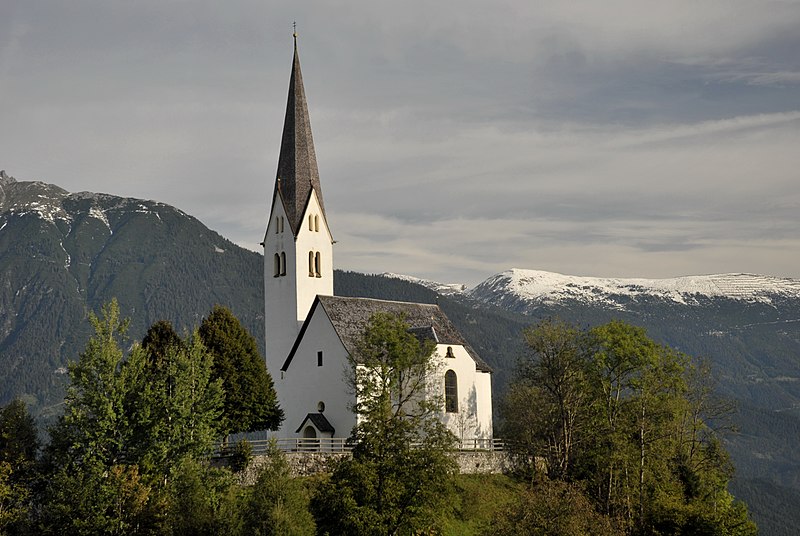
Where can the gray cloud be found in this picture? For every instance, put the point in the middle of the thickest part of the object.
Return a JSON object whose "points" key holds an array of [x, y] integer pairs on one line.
{"points": [[455, 140]]}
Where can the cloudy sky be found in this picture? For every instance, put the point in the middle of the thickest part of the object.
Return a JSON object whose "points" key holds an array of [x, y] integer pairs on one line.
{"points": [[455, 139]]}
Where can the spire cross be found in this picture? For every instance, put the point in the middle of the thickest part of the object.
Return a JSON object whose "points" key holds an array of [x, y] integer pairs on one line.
{"points": [[294, 28]]}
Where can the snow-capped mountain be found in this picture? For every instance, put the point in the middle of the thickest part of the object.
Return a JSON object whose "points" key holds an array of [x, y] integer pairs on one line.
{"points": [[63, 254], [515, 288], [54, 204]]}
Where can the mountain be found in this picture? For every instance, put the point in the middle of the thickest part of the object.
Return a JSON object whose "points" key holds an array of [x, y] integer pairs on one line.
{"points": [[747, 326], [522, 289], [64, 254]]}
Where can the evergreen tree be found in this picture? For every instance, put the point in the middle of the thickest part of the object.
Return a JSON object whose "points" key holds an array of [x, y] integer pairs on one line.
{"points": [[250, 400], [159, 340]]}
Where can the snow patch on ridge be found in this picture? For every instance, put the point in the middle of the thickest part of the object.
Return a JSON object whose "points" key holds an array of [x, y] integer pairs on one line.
{"points": [[95, 212], [548, 287], [441, 288]]}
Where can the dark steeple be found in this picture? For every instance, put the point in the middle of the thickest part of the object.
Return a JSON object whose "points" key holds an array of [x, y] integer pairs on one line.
{"points": [[297, 165]]}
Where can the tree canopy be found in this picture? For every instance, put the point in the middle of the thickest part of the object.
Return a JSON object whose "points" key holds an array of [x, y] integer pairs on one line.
{"points": [[629, 422]]}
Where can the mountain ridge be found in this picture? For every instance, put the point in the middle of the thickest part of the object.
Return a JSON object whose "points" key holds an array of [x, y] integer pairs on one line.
{"points": [[538, 286], [542, 286], [63, 255]]}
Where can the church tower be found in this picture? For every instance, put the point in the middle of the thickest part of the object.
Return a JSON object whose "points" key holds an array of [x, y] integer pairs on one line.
{"points": [[298, 246]]}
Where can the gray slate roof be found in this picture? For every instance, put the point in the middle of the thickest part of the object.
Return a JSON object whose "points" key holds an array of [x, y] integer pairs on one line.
{"points": [[350, 317], [297, 173]]}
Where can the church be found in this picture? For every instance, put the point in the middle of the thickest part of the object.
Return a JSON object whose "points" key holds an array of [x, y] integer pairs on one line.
{"points": [[310, 332]]}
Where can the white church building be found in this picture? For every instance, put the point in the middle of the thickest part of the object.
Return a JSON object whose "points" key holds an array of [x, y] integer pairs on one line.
{"points": [[310, 332]]}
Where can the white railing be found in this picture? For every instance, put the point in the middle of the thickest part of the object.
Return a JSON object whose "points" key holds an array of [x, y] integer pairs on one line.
{"points": [[481, 443], [343, 444]]}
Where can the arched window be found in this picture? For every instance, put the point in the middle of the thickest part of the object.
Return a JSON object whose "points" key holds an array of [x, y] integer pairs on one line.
{"points": [[277, 224], [318, 264], [316, 223], [276, 266], [283, 263], [310, 222], [449, 352], [310, 264], [450, 392], [280, 224]]}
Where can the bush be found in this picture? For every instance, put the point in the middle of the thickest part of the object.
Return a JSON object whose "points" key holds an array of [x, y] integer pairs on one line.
{"points": [[242, 456]]}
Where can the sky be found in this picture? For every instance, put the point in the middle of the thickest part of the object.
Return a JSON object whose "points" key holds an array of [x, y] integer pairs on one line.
{"points": [[455, 139]]}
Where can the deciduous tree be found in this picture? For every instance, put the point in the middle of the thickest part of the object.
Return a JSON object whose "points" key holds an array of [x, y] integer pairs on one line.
{"points": [[626, 418], [277, 504], [400, 475], [552, 376], [19, 446]]}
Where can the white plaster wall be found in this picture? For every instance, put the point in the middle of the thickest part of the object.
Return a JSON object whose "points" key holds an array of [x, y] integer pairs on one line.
{"points": [[474, 416], [305, 384], [483, 382], [280, 296], [317, 241]]}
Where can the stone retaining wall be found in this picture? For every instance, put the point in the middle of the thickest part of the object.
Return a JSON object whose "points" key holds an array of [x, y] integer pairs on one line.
{"points": [[311, 463]]}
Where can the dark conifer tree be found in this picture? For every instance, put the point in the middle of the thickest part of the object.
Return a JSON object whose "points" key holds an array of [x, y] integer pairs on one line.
{"points": [[250, 400], [158, 340]]}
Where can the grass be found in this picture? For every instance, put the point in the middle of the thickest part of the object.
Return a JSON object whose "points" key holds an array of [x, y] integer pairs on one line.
{"points": [[478, 499]]}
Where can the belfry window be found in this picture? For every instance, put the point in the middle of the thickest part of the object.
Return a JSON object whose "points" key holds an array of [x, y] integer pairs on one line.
{"points": [[283, 263], [318, 265], [450, 392], [310, 264], [316, 223], [449, 352], [276, 266], [310, 222]]}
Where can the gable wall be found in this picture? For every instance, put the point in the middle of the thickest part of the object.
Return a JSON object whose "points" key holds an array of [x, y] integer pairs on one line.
{"points": [[304, 384]]}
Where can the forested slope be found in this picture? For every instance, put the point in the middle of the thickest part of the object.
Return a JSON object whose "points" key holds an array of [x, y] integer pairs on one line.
{"points": [[63, 255]]}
